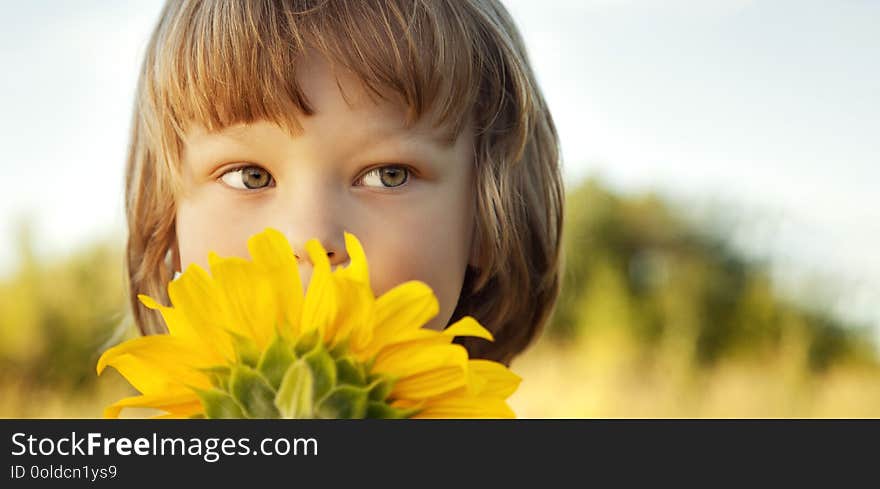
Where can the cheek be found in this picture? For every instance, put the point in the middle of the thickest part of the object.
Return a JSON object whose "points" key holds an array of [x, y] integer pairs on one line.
{"points": [[202, 227], [433, 249]]}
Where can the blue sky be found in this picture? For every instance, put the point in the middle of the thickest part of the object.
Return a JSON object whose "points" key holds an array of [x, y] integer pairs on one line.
{"points": [[769, 107]]}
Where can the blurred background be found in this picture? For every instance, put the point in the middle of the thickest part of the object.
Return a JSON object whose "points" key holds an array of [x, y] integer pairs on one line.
{"points": [[722, 231]]}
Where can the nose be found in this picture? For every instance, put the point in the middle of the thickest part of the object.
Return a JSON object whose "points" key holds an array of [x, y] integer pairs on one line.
{"points": [[314, 215], [334, 246], [333, 242]]}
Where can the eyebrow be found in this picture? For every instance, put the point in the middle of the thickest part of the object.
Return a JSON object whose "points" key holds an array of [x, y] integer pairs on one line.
{"points": [[443, 136], [441, 140]]}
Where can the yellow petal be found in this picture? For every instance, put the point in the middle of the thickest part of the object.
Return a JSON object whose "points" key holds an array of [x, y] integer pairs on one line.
{"points": [[468, 326], [149, 302], [317, 254], [407, 403], [362, 336], [153, 364], [465, 407], [356, 304], [248, 295], [173, 402], [429, 384], [177, 324], [271, 251], [182, 411], [416, 358], [320, 306], [368, 349], [416, 339], [357, 269], [499, 380], [404, 308], [355, 312], [196, 297], [141, 376]]}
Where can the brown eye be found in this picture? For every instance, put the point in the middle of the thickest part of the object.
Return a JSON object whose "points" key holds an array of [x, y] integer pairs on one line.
{"points": [[386, 177], [255, 177], [247, 178]]}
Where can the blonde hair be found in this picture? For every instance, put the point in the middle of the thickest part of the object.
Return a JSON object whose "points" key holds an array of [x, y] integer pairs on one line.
{"points": [[219, 63]]}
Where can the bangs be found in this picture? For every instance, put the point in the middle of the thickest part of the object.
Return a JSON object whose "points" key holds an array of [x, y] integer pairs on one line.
{"points": [[220, 63]]}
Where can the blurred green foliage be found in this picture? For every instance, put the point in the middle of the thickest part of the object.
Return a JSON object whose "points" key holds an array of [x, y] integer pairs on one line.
{"points": [[57, 315], [633, 263]]}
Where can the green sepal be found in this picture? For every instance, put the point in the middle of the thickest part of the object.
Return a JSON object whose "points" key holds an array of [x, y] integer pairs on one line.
{"points": [[381, 410], [294, 398], [253, 393], [345, 402], [275, 361], [339, 349], [307, 343], [245, 348], [219, 376], [349, 371], [219, 404], [380, 388], [323, 370]]}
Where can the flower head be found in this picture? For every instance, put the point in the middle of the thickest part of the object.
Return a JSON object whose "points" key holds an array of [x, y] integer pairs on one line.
{"points": [[245, 341]]}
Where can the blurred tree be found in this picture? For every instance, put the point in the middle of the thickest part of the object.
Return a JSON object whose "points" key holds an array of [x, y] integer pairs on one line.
{"points": [[634, 263]]}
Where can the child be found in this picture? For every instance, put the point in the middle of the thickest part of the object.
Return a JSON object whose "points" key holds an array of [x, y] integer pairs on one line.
{"points": [[416, 125]]}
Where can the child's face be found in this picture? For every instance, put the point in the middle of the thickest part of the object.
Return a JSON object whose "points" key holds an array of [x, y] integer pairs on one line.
{"points": [[354, 168]]}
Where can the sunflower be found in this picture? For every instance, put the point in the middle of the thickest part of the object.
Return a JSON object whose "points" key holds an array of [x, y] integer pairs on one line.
{"points": [[245, 342]]}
